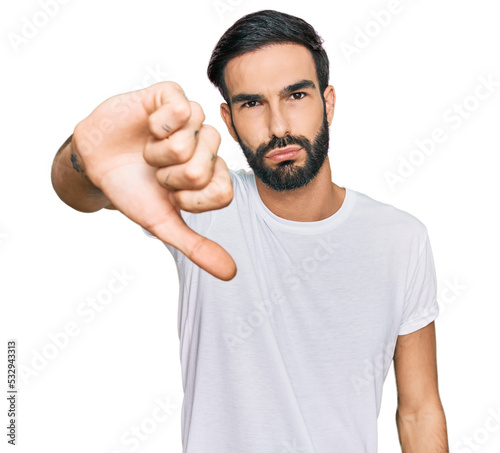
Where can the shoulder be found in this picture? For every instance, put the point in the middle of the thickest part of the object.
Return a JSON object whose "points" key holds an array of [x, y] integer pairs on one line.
{"points": [[395, 223], [242, 179], [379, 209]]}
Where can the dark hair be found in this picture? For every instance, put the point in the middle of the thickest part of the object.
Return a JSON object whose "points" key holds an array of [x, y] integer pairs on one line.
{"points": [[260, 29]]}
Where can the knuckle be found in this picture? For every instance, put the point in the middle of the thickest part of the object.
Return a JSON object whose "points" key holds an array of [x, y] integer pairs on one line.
{"points": [[173, 85], [196, 176], [226, 196], [181, 111], [162, 178], [197, 111], [222, 194], [212, 134], [154, 123], [180, 198], [178, 152], [197, 245]]}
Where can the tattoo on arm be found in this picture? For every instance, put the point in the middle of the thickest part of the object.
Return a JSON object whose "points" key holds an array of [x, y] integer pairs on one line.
{"points": [[76, 165]]}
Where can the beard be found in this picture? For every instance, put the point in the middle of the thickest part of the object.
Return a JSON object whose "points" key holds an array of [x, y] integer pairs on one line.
{"points": [[288, 176]]}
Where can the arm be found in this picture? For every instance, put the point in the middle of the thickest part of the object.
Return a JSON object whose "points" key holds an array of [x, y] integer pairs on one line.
{"points": [[149, 155], [72, 184], [420, 417]]}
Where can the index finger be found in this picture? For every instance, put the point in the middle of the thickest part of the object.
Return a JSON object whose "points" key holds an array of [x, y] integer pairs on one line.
{"points": [[168, 108]]}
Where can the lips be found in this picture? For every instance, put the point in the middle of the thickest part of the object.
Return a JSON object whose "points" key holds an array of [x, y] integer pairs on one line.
{"points": [[288, 151]]}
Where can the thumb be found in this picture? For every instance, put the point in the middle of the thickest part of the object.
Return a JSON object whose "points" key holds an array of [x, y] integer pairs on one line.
{"points": [[202, 251]]}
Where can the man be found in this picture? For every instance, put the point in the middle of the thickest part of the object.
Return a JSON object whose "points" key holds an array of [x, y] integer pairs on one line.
{"points": [[290, 353]]}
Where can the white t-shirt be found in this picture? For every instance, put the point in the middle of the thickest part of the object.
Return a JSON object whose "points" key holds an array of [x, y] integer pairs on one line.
{"points": [[291, 355]]}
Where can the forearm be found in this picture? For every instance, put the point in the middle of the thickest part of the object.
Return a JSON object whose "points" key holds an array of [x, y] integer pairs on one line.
{"points": [[423, 432], [72, 185]]}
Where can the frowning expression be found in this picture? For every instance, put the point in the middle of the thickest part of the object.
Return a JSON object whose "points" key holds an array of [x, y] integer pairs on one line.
{"points": [[278, 113]]}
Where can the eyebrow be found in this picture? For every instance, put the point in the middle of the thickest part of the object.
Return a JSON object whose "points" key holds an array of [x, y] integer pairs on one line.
{"points": [[243, 97], [302, 85], [237, 99]]}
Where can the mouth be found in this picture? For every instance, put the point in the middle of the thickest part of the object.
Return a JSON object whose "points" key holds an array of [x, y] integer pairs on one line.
{"points": [[282, 154]]}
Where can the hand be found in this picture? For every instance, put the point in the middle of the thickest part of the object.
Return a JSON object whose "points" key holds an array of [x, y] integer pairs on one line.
{"points": [[151, 155]]}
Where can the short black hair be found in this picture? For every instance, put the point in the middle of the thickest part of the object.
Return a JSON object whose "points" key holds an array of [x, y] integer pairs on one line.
{"points": [[260, 29]]}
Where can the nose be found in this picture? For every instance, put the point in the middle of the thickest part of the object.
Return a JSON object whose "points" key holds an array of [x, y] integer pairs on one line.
{"points": [[278, 123]]}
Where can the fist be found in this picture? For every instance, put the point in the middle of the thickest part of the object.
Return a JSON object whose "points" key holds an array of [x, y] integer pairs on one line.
{"points": [[151, 154]]}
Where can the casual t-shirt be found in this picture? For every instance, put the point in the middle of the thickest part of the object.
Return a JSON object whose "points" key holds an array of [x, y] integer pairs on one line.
{"points": [[291, 354]]}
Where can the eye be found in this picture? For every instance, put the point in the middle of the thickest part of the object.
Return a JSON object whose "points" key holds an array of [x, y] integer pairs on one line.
{"points": [[298, 95], [249, 104]]}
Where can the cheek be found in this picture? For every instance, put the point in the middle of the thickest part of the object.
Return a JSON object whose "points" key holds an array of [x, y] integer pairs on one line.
{"points": [[251, 129], [305, 117], [309, 121]]}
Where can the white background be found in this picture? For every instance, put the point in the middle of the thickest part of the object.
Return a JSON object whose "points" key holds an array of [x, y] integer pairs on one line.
{"points": [[109, 376]]}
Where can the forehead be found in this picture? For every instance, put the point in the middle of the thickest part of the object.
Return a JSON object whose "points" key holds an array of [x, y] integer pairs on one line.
{"points": [[269, 69]]}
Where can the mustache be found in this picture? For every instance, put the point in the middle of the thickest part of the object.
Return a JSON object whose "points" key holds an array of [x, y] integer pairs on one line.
{"points": [[281, 142]]}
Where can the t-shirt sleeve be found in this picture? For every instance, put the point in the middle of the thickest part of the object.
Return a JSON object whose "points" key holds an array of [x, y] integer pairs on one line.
{"points": [[421, 305]]}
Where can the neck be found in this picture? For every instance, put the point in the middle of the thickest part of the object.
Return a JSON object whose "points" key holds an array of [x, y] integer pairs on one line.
{"points": [[318, 200]]}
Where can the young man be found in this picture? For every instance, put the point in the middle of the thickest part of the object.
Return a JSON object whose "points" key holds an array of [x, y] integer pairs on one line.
{"points": [[290, 353]]}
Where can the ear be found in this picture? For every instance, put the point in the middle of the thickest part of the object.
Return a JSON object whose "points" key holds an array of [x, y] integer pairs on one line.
{"points": [[329, 96], [225, 112]]}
